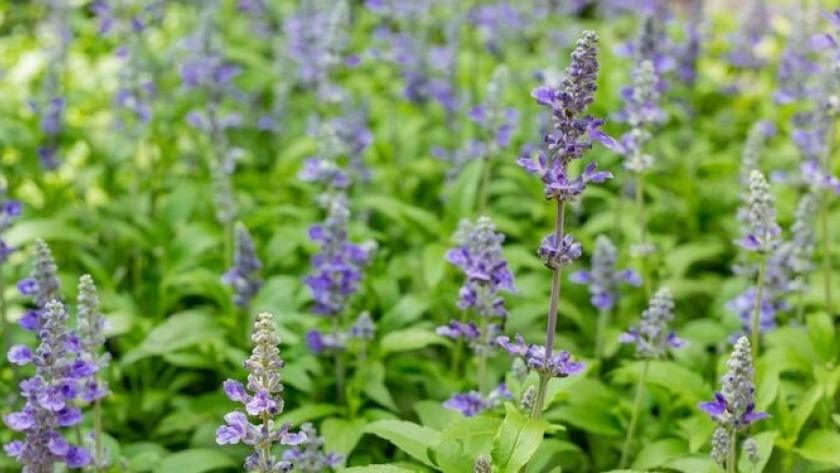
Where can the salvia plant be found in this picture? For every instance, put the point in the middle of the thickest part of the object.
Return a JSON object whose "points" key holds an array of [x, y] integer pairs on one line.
{"points": [[208, 164], [262, 399]]}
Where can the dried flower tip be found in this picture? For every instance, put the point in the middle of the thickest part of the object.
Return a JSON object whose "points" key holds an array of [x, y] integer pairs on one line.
{"points": [[482, 465]]}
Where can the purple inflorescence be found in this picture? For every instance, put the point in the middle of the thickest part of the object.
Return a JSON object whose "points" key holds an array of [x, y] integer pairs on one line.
{"points": [[762, 233], [309, 456], [90, 333], [10, 210], [338, 266], [42, 284], [243, 275], [734, 405], [60, 375], [479, 255], [753, 28], [262, 399], [653, 336], [473, 403], [557, 365], [604, 277], [316, 35]]}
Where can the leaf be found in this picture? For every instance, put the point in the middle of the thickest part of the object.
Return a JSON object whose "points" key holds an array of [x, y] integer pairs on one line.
{"points": [[680, 259], [804, 408], [821, 446], [178, 331], [407, 310], [669, 375], [475, 426], [377, 469], [764, 440], [411, 438], [342, 435], [516, 441], [409, 339], [307, 412], [373, 382], [434, 263], [821, 332], [693, 464], [196, 460], [463, 192], [46, 229], [433, 414], [655, 454]]}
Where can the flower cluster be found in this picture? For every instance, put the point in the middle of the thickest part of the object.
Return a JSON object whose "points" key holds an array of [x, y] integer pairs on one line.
{"points": [[308, 456], [246, 264], [763, 231], [316, 35], [90, 333], [51, 103], [262, 399], [653, 336], [557, 365], [473, 403], [42, 284], [604, 277], [734, 405], [796, 64], [572, 129], [60, 372], [10, 210], [757, 138], [641, 112], [652, 45], [338, 266], [497, 23], [754, 26], [129, 23]]}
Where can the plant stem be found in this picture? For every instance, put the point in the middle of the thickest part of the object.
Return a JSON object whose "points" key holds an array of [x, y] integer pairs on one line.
{"points": [[483, 192], [553, 305], [339, 368], [603, 322], [97, 436], [732, 461], [640, 209], [634, 418], [536, 410], [759, 293], [482, 356]]}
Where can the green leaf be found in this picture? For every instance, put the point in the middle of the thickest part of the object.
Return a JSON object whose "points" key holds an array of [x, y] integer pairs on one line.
{"points": [[342, 435], [821, 332], [475, 426], [373, 382], [680, 259], [655, 454], [196, 460], [693, 464], [46, 229], [307, 412], [433, 414], [463, 193], [377, 469], [409, 339], [434, 263], [821, 446], [177, 332], [669, 375], [516, 441], [411, 438], [804, 408], [407, 310]]}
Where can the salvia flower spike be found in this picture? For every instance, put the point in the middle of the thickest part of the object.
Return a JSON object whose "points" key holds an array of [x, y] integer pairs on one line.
{"points": [[243, 276], [653, 337], [49, 395], [261, 399], [42, 284], [604, 278], [309, 456], [734, 405]]}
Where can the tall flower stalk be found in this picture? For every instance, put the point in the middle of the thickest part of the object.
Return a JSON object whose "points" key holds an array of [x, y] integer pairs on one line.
{"points": [[90, 330], [762, 238], [653, 338], [262, 399], [479, 255], [604, 279], [569, 138], [734, 406], [10, 211]]}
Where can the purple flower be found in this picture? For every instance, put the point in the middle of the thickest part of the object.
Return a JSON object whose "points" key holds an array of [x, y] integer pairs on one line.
{"points": [[754, 26], [473, 403], [653, 338], [733, 408], [308, 456], [59, 370], [262, 399], [557, 365], [246, 264], [604, 278], [558, 254]]}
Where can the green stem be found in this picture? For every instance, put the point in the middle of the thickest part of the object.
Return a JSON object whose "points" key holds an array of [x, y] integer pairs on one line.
{"points": [[553, 306], [732, 461], [826, 257], [640, 209], [339, 369], [97, 436], [603, 322], [634, 418], [483, 191], [754, 327], [536, 410], [482, 357]]}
